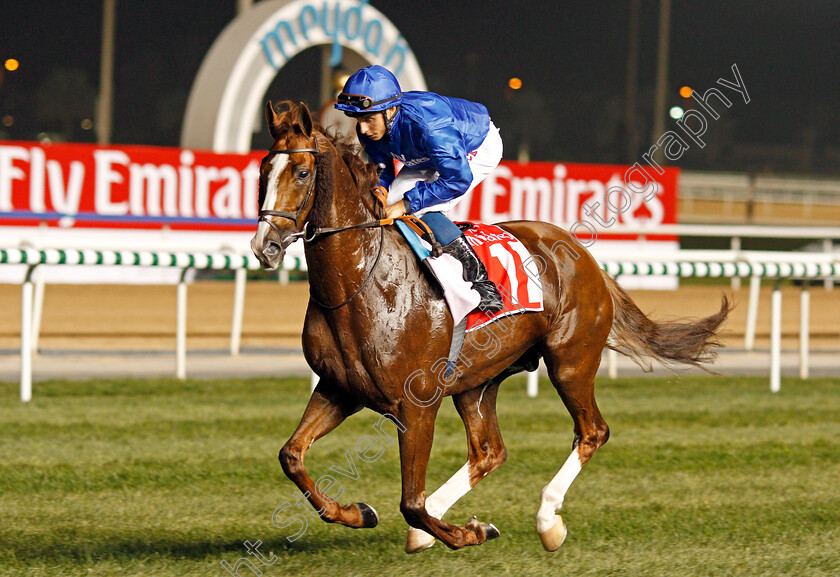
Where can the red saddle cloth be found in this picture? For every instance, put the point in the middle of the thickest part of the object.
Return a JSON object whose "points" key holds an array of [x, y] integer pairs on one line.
{"points": [[511, 269]]}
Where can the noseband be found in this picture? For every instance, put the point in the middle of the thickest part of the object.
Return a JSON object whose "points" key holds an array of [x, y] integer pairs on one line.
{"points": [[264, 214]]}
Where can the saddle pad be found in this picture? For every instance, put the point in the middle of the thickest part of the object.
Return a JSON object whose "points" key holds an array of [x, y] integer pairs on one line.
{"points": [[503, 256]]}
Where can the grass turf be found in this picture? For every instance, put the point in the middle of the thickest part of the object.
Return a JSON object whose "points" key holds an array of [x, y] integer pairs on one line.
{"points": [[702, 476]]}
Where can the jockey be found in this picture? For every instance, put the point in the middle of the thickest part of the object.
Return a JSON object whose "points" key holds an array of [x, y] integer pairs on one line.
{"points": [[447, 146]]}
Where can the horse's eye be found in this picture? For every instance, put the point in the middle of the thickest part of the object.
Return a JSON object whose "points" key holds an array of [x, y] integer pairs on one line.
{"points": [[303, 174]]}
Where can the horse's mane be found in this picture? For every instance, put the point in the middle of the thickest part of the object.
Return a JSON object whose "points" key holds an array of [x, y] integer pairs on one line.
{"points": [[365, 174]]}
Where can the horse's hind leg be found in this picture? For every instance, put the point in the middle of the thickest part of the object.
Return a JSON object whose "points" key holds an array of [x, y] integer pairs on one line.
{"points": [[486, 452], [572, 371], [327, 408]]}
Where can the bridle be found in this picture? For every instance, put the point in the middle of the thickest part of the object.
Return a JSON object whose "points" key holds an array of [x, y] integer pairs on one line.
{"points": [[310, 234], [293, 217]]}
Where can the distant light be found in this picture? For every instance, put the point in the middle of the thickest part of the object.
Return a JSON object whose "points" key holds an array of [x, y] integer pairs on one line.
{"points": [[676, 112], [515, 83], [8, 120], [12, 64], [87, 124], [686, 91]]}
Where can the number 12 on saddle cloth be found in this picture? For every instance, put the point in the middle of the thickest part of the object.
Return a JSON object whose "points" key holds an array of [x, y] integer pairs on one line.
{"points": [[508, 267]]}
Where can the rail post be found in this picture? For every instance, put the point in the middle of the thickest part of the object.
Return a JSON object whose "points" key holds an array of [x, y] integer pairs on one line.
{"points": [[752, 313], [804, 329], [776, 338], [26, 336], [533, 383], [238, 310], [181, 328], [37, 310], [735, 245]]}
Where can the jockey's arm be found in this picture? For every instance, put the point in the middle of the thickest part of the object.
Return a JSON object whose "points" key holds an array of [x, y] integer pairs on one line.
{"points": [[386, 177], [447, 154]]}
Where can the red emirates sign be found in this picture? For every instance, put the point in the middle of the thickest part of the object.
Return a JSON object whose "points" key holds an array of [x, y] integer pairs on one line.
{"points": [[599, 194], [140, 187], [74, 185]]}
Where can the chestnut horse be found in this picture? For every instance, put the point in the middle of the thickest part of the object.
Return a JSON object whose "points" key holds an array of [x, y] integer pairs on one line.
{"points": [[378, 333]]}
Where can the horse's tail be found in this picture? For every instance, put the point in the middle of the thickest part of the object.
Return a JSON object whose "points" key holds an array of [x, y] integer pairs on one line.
{"points": [[677, 342]]}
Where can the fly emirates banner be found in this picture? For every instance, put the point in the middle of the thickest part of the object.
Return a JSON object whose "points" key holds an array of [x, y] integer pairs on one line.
{"points": [[139, 188]]}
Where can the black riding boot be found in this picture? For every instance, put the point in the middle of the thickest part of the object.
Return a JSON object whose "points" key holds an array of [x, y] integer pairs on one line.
{"points": [[474, 271]]}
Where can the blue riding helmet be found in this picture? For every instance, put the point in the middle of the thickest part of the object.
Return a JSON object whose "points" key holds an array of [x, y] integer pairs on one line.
{"points": [[371, 89]]}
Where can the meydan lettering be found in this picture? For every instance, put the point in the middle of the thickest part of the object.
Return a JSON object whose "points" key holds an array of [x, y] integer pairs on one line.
{"points": [[339, 26]]}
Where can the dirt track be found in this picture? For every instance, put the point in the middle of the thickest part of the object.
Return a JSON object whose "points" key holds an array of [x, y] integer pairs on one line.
{"points": [[109, 317]]}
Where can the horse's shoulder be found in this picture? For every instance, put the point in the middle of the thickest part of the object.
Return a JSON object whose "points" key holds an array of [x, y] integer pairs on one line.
{"points": [[318, 341]]}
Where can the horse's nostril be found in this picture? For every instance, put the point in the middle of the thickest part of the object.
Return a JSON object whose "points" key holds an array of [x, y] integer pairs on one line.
{"points": [[272, 250]]}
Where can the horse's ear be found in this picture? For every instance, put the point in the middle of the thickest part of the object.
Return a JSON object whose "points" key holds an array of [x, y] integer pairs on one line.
{"points": [[305, 119], [271, 119]]}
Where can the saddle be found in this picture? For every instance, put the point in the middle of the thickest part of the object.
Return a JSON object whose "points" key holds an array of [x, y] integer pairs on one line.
{"points": [[505, 258], [509, 266]]}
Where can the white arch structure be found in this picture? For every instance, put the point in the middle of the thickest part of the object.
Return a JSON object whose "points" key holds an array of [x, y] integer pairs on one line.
{"points": [[228, 92]]}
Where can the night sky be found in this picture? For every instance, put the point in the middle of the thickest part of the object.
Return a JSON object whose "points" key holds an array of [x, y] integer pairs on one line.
{"points": [[571, 57]]}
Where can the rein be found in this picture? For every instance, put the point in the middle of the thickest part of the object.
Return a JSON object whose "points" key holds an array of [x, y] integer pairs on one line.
{"points": [[369, 276], [311, 234]]}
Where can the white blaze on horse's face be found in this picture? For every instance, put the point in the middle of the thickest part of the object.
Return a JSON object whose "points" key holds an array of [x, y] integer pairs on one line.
{"points": [[270, 251], [278, 165]]}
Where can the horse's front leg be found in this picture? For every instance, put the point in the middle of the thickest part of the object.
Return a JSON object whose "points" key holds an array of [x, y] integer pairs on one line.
{"points": [[415, 447], [327, 408], [486, 452]]}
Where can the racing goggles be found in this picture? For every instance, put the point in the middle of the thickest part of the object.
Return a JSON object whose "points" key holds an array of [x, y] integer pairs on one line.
{"points": [[361, 102]]}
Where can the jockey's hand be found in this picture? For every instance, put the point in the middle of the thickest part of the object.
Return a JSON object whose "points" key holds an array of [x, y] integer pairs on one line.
{"points": [[395, 210]]}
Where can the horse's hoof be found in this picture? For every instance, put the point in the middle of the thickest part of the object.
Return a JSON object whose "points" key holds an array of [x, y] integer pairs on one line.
{"points": [[489, 529], [370, 518], [417, 540], [552, 538]]}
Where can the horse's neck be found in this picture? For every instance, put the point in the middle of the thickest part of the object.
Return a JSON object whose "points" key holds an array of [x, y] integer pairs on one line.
{"points": [[344, 257], [350, 205]]}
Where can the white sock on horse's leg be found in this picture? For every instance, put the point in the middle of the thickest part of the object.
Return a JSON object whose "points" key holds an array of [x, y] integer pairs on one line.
{"points": [[437, 504], [551, 500]]}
